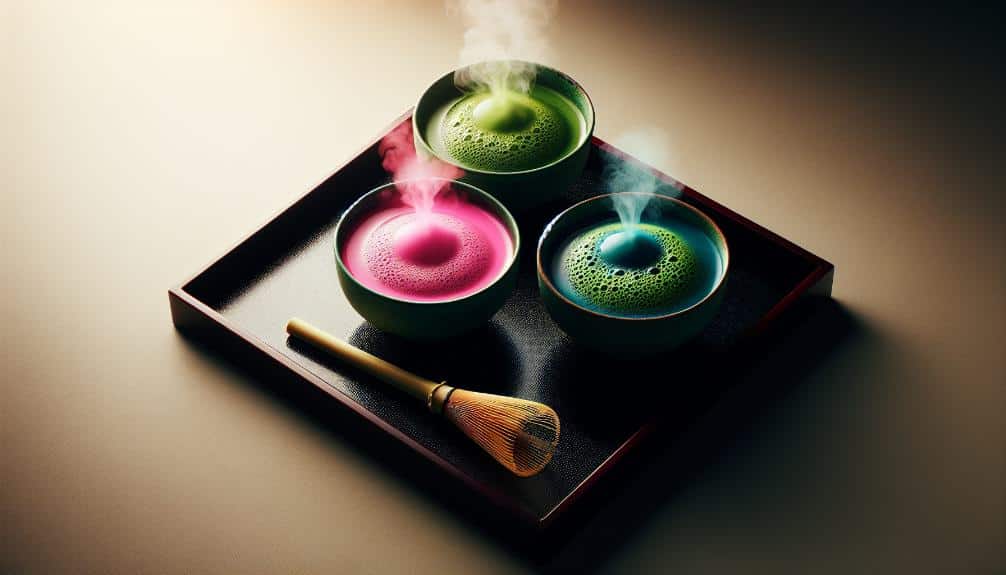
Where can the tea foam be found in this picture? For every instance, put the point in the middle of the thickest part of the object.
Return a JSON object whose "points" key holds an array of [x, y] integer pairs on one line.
{"points": [[673, 278], [453, 251]]}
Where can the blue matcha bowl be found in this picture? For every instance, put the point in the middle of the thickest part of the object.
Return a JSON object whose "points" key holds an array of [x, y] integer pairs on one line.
{"points": [[591, 320]]}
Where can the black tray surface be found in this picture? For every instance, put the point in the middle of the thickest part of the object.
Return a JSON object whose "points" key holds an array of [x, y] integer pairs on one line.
{"points": [[287, 269]]}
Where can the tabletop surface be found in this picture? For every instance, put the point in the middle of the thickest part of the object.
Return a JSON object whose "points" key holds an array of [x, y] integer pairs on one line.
{"points": [[140, 141]]}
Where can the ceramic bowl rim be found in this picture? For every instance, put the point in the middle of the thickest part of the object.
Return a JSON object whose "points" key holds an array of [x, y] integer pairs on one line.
{"points": [[508, 220], [588, 132], [720, 282]]}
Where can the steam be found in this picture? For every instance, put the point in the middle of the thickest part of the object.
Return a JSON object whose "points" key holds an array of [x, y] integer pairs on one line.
{"points": [[412, 174], [497, 32], [650, 146]]}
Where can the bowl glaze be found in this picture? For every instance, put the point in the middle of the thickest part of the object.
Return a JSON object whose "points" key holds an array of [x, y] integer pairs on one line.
{"points": [[517, 190], [426, 320], [626, 336]]}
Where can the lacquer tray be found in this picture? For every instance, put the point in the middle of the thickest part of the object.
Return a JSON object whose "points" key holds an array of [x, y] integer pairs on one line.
{"points": [[239, 305]]}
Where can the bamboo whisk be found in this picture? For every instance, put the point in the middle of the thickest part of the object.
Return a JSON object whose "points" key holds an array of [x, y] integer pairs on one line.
{"points": [[518, 433]]}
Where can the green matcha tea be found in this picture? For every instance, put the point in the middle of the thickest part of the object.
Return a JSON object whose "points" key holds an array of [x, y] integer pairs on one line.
{"points": [[506, 131]]}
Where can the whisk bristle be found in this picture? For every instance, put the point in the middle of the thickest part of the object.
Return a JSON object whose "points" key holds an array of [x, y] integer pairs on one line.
{"points": [[518, 433]]}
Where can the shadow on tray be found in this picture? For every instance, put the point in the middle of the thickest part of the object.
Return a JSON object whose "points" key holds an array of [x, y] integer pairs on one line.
{"points": [[485, 360], [677, 454]]}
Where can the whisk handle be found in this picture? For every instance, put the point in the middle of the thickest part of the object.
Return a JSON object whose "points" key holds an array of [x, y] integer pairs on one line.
{"points": [[418, 387]]}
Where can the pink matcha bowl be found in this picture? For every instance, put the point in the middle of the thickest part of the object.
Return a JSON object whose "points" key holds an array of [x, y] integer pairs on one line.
{"points": [[440, 286]]}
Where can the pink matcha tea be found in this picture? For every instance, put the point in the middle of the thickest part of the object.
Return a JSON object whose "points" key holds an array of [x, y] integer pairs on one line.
{"points": [[441, 249]]}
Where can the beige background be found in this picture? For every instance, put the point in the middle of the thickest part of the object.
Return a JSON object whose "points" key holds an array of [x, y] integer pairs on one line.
{"points": [[141, 139]]}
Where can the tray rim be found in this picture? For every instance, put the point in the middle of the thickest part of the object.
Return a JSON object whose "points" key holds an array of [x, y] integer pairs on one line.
{"points": [[180, 296]]}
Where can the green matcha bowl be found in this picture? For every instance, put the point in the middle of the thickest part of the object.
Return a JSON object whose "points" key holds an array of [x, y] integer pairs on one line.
{"points": [[519, 185], [426, 320], [629, 335]]}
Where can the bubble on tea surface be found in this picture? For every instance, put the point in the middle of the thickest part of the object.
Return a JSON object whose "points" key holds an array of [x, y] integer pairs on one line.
{"points": [[653, 287], [455, 257]]}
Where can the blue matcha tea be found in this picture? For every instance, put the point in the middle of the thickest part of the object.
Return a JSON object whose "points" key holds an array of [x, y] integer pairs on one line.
{"points": [[645, 270]]}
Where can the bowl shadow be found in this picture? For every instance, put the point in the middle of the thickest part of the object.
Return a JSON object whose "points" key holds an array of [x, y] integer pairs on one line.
{"points": [[484, 359], [681, 448]]}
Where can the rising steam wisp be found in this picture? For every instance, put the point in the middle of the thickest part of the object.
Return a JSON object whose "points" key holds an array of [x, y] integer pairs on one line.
{"points": [[418, 180], [651, 147], [502, 39]]}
